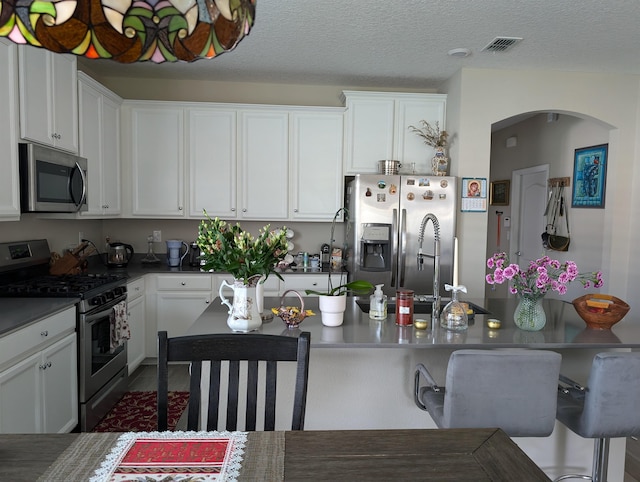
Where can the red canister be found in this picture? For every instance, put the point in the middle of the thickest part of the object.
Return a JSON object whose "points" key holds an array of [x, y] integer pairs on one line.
{"points": [[404, 307]]}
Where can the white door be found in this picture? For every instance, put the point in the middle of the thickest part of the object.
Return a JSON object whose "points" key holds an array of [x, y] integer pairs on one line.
{"points": [[527, 214]]}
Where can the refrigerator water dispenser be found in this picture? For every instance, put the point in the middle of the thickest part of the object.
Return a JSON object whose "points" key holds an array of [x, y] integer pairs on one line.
{"points": [[375, 246]]}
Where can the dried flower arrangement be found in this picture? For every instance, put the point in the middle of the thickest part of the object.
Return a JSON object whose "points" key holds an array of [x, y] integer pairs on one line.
{"points": [[432, 135]]}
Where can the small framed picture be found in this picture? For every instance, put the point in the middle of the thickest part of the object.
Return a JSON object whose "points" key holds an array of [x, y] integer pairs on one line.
{"points": [[499, 193], [589, 176], [474, 194]]}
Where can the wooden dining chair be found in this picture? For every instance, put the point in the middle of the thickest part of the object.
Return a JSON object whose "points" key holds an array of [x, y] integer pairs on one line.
{"points": [[252, 359]]}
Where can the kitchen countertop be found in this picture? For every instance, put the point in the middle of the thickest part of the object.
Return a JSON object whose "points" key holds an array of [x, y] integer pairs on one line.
{"points": [[20, 312], [564, 328]]}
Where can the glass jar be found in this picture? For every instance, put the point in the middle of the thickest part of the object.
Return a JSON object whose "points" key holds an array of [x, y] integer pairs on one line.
{"points": [[404, 307]]}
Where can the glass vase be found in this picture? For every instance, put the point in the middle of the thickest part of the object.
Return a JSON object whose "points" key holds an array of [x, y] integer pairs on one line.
{"points": [[529, 314]]}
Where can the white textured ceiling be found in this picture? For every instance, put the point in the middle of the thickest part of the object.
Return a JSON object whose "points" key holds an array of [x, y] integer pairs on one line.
{"points": [[404, 43]]}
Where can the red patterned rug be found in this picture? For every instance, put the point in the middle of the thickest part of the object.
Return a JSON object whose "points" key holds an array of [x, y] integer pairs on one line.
{"points": [[136, 412]]}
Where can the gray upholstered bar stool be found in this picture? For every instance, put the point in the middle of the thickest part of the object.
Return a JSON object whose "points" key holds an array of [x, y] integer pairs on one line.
{"points": [[606, 408], [512, 389]]}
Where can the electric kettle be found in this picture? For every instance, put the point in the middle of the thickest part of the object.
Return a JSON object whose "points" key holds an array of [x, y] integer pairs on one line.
{"points": [[119, 255]]}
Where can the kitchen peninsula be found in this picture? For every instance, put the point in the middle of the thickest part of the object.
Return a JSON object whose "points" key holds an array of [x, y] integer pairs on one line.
{"points": [[361, 373]]}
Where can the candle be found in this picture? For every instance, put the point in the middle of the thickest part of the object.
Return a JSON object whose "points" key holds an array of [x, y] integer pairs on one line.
{"points": [[455, 261]]}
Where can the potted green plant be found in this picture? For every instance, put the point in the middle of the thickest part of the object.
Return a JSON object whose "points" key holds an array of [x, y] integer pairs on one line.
{"points": [[333, 302]]}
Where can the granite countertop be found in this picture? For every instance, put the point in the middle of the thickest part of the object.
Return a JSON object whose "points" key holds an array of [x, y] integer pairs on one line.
{"points": [[564, 328], [20, 312]]}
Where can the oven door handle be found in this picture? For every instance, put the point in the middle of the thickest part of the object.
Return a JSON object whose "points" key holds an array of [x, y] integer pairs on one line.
{"points": [[105, 311]]}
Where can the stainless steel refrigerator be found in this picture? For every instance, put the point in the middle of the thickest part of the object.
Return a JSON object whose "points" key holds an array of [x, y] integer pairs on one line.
{"points": [[385, 214]]}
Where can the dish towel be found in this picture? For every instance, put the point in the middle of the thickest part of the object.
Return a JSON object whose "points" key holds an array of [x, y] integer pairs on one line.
{"points": [[119, 325]]}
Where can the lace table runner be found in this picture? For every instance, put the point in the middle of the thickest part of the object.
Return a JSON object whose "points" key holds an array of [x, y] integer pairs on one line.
{"points": [[174, 456], [263, 459]]}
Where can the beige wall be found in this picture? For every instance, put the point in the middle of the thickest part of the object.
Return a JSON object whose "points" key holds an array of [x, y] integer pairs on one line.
{"points": [[488, 96], [552, 143]]}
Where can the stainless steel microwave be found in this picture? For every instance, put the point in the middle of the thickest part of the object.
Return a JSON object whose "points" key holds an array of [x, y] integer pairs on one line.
{"points": [[51, 181]]}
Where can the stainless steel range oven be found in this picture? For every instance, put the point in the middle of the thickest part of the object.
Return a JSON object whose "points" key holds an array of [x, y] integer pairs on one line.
{"points": [[102, 365]]}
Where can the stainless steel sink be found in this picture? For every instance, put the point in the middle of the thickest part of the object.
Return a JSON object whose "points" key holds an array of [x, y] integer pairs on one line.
{"points": [[421, 307]]}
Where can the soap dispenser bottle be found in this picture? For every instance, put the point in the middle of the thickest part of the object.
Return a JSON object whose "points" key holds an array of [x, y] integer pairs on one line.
{"points": [[454, 316], [378, 304]]}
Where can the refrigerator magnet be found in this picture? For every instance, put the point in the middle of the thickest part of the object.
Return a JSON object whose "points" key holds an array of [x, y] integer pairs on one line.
{"points": [[411, 196], [393, 189]]}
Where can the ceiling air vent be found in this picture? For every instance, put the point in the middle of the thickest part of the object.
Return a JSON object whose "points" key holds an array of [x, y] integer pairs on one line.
{"points": [[501, 44]]}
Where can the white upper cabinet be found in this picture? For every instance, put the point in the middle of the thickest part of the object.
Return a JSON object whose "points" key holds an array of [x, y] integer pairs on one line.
{"points": [[212, 161], [316, 164], [155, 150], [100, 145], [48, 98], [377, 128], [9, 186], [264, 164], [368, 132]]}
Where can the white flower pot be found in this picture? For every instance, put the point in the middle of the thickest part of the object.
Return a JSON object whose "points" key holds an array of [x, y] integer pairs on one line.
{"points": [[332, 309]]}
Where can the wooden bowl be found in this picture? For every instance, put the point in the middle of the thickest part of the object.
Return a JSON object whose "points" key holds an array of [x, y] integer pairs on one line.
{"points": [[600, 318]]}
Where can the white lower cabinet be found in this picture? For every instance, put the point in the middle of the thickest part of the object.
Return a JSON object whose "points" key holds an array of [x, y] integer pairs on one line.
{"points": [[136, 310], [179, 301], [39, 394], [316, 282]]}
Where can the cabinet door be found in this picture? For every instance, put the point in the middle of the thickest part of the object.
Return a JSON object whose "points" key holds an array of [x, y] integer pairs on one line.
{"points": [[9, 198], [110, 175], [64, 101], [36, 104], [136, 351], [368, 133], [176, 311], [212, 162], [157, 158], [48, 98], [316, 181], [90, 105], [60, 382], [409, 147], [316, 282], [21, 397], [264, 161]]}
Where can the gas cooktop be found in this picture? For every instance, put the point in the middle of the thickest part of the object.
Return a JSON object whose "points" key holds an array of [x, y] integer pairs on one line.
{"points": [[24, 268], [59, 286]]}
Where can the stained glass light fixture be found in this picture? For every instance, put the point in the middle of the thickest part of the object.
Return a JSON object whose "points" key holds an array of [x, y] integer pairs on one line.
{"points": [[129, 30]]}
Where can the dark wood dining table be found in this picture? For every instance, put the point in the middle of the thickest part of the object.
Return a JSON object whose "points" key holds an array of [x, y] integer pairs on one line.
{"points": [[333, 455]]}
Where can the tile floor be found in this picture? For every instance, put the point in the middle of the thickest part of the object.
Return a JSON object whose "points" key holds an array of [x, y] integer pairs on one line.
{"points": [[144, 379]]}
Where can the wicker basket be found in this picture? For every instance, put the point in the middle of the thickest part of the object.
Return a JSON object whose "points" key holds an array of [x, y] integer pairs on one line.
{"points": [[291, 315]]}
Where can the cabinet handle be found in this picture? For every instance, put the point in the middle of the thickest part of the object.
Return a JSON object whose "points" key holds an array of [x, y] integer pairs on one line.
{"points": [[233, 210], [183, 283], [207, 302], [179, 208], [44, 333], [314, 284], [295, 210], [244, 210]]}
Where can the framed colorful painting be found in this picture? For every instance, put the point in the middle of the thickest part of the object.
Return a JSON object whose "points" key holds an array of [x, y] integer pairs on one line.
{"points": [[589, 176]]}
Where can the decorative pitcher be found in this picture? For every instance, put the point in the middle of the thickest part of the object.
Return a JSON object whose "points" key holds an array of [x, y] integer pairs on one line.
{"points": [[243, 313]]}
